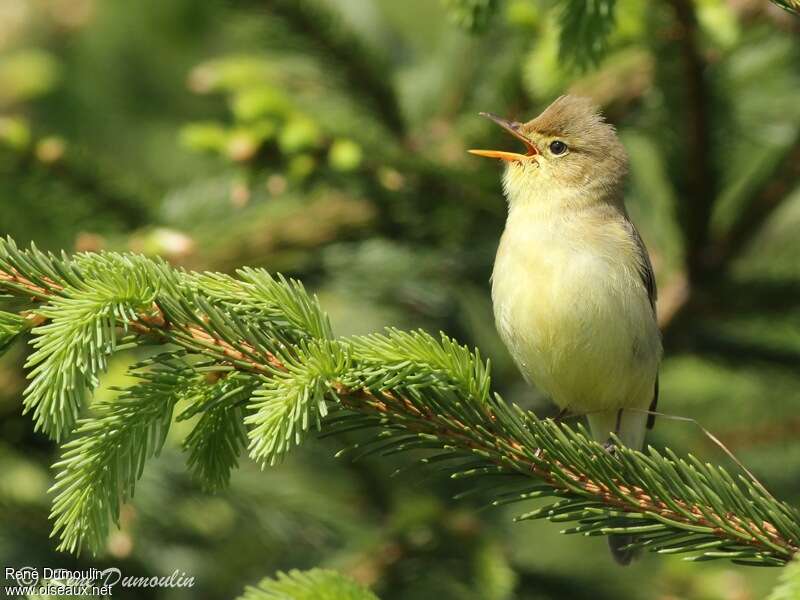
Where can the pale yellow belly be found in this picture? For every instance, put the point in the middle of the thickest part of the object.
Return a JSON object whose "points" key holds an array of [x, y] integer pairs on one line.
{"points": [[578, 324]]}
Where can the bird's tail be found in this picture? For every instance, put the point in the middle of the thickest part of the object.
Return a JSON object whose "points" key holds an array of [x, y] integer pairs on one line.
{"points": [[618, 544], [630, 427]]}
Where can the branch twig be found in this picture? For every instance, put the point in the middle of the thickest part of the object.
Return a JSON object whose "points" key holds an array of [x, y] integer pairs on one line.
{"points": [[775, 189], [420, 393], [696, 207], [505, 452]]}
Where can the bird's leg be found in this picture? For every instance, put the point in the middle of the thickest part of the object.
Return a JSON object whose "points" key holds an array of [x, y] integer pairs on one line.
{"points": [[610, 446]]}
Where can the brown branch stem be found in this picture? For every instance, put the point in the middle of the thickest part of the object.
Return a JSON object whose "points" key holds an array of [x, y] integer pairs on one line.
{"points": [[701, 192], [775, 189], [501, 448], [154, 323]]}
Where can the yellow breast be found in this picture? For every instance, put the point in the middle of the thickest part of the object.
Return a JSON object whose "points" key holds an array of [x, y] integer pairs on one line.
{"points": [[570, 305]]}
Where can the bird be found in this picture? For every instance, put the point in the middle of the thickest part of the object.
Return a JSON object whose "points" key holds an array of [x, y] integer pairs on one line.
{"points": [[573, 288]]}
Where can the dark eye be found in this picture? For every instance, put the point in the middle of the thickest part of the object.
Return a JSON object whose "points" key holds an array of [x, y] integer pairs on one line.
{"points": [[558, 147]]}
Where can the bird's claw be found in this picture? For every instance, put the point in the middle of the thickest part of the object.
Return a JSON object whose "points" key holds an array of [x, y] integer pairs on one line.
{"points": [[562, 414]]}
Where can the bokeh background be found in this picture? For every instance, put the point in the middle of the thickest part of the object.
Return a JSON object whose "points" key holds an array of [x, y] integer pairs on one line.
{"points": [[326, 139]]}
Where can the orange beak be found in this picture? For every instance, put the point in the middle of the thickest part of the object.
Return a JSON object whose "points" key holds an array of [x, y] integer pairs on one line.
{"points": [[513, 128]]}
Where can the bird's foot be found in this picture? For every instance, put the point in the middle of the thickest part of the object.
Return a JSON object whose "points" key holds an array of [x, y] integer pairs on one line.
{"points": [[562, 414]]}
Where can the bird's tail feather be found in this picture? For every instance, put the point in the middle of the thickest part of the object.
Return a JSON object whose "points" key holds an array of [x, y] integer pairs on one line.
{"points": [[622, 555], [630, 427]]}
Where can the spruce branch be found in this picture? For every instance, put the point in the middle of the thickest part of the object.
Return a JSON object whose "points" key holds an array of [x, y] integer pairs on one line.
{"points": [[315, 584], [294, 399], [219, 436], [585, 28], [701, 185], [585, 24], [256, 352], [100, 465], [774, 189], [336, 43], [791, 6], [472, 15], [112, 191], [80, 330], [11, 326]]}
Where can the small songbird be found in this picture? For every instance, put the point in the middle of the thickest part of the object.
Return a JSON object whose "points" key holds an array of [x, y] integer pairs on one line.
{"points": [[573, 287]]}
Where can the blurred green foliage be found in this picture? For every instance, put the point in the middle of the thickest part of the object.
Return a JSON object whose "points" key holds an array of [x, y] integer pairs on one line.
{"points": [[789, 587], [315, 584], [326, 139]]}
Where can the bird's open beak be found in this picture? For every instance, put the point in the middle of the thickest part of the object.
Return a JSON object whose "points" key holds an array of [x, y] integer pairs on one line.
{"points": [[513, 128]]}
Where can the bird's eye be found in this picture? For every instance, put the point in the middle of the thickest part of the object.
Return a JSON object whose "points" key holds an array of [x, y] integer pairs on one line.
{"points": [[558, 147]]}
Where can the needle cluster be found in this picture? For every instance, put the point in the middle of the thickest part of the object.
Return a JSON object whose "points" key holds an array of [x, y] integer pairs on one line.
{"points": [[252, 358]]}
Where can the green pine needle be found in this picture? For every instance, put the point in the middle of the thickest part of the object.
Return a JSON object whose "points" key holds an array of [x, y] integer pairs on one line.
{"points": [[472, 15], [792, 6], [585, 28], [99, 468], [256, 354], [316, 584], [82, 331], [286, 406], [218, 438], [11, 326]]}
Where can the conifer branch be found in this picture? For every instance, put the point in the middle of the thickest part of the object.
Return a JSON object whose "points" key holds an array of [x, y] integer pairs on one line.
{"points": [[254, 355], [775, 188], [337, 44], [315, 584], [697, 205], [112, 192], [791, 6], [100, 465]]}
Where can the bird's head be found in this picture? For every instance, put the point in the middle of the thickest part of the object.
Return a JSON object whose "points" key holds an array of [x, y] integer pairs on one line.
{"points": [[571, 155]]}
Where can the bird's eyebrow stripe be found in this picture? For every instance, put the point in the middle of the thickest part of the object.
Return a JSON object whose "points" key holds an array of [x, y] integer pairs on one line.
{"points": [[546, 132], [552, 137]]}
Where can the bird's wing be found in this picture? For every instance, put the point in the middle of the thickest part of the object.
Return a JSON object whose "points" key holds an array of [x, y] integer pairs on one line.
{"points": [[649, 280], [651, 417], [645, 266]]}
